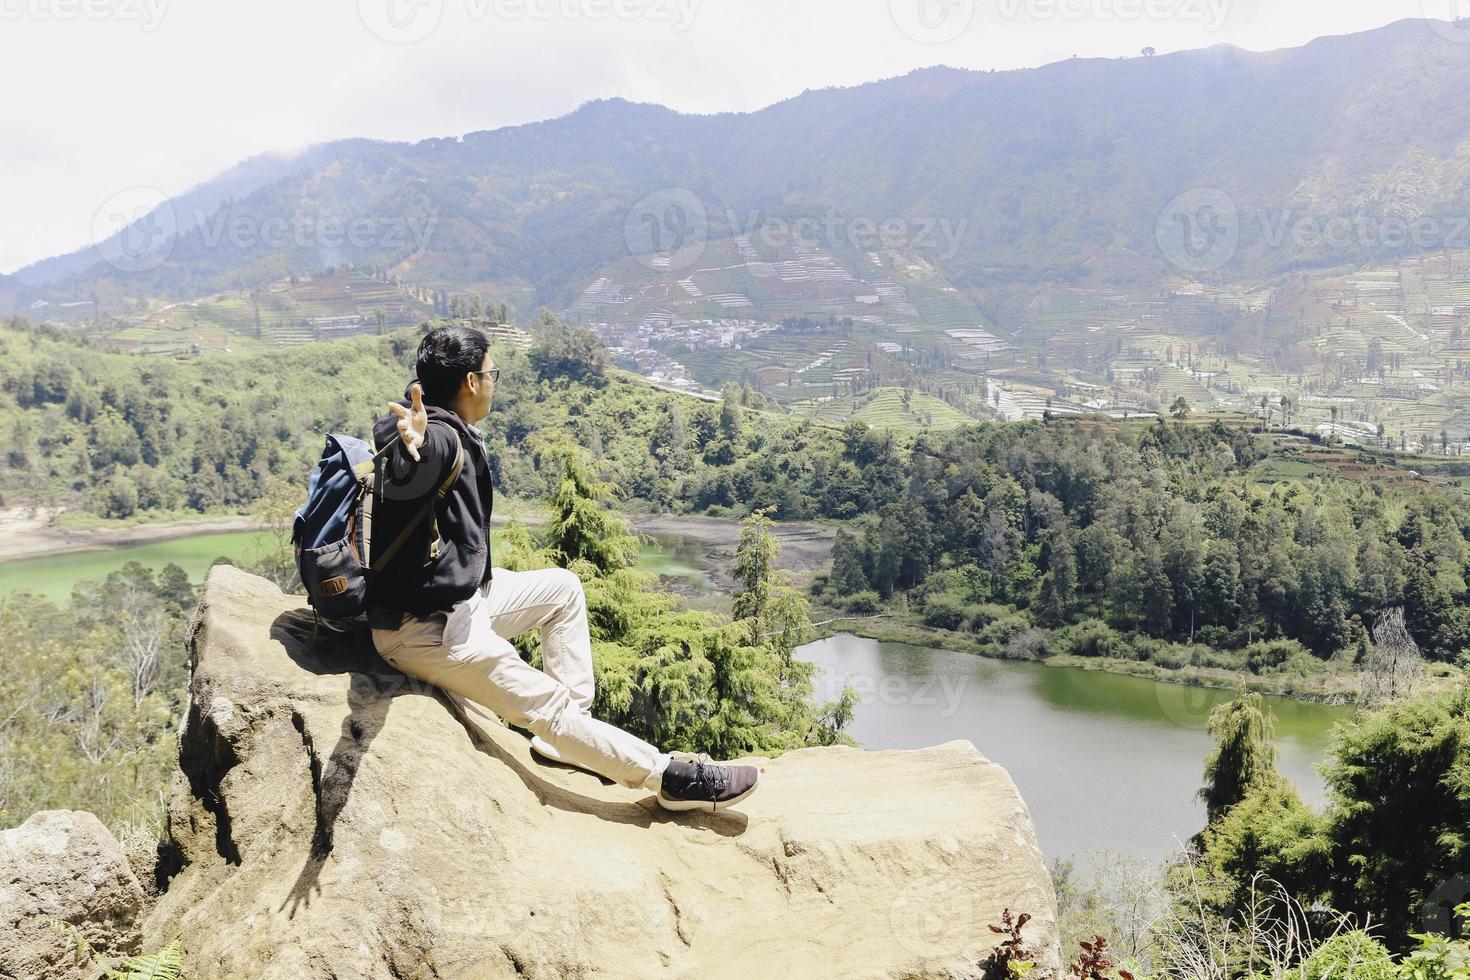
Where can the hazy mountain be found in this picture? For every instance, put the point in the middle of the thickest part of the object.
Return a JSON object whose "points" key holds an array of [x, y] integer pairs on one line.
{"points": [[206, 198], [1054, 173]]}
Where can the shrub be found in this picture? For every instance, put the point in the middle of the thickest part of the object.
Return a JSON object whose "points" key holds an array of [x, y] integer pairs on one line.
{"points": [[983, 615], [1001, 630], [1093, 638], [1437, 958], [1212, 636], [1170, 655], [1280, 657], [1029, 644], [959, 581], [1350, 954], [944, 610], [866, 601]]}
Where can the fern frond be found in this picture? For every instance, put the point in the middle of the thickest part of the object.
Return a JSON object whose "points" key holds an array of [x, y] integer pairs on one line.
{"points": [[166, 964], [82, 950]]}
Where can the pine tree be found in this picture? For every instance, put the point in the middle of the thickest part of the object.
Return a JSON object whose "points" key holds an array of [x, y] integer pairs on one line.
{"points": [[1244, 756], [579, 528], [847, 565]]}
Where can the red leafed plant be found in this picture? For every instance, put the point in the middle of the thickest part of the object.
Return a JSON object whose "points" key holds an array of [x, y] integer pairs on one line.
{"points": [[1006, 957], [1094, 962]]}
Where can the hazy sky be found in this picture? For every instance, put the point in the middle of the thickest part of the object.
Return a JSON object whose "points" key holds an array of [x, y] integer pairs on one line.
{"points": [[100, 96]]}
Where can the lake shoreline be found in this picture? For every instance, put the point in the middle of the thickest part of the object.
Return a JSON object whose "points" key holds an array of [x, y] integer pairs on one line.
{"points": [[805, 549], [36, 532], [33, 532], [885, 627]]}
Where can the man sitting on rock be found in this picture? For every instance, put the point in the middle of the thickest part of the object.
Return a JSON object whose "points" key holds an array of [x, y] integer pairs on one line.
{"points": [[441, 613]]}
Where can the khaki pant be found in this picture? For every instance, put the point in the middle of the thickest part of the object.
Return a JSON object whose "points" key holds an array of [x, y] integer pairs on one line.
{"points": [[467, 651]]}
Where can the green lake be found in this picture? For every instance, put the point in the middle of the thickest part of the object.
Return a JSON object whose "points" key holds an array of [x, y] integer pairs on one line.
{"points": [[1105, 762]]}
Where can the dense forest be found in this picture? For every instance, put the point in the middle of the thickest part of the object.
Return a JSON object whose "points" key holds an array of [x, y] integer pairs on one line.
{"points": [[1144, 541], [1152, 541]]}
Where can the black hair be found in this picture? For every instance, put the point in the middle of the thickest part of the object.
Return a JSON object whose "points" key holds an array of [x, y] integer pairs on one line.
{"points": [[446, 355]]}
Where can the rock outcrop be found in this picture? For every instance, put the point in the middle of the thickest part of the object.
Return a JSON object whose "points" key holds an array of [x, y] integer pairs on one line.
{"points": [[64, 866], [332, 818]]}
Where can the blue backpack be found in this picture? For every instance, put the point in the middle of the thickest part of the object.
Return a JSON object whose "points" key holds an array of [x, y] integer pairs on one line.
{"points": [[333, 531]]}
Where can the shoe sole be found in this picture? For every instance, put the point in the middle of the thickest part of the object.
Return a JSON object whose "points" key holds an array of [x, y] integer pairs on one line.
{"points": [[547, 752], [681, 806]]}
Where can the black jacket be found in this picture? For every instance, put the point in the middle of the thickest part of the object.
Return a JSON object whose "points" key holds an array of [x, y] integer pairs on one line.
{"points": [[414, 581]]}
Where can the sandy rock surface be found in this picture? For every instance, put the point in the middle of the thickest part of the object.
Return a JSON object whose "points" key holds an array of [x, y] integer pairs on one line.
{"points": [[332, 818]]}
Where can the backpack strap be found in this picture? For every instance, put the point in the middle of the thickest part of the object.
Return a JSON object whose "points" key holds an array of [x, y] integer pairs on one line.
{"points": [[426, 511], [362, 499]]}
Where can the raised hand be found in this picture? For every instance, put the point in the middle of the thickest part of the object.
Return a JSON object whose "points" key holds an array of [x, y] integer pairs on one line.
{"points": [[413, 421]]}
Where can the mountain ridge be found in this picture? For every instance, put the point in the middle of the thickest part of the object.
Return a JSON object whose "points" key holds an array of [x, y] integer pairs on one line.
{"points": [[1049, 168]]}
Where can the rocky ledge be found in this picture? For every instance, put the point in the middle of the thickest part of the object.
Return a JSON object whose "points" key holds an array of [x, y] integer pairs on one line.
{"points": [[331, 818]]}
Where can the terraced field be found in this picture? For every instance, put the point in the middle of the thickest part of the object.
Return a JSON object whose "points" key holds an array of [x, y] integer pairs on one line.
{"points": [[286, 314], [884, 408]]}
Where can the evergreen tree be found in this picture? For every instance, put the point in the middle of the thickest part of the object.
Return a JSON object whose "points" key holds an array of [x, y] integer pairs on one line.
{"points": [[1270, 836], [847, 566], [1244, 756], [582, 530], [1400, 824]]}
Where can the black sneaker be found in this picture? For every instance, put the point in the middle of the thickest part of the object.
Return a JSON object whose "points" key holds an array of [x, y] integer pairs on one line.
{"points": [[705, 785]]}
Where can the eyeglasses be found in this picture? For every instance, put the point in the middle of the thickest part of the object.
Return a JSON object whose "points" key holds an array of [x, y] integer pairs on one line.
{"points": [[493, 374]]}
